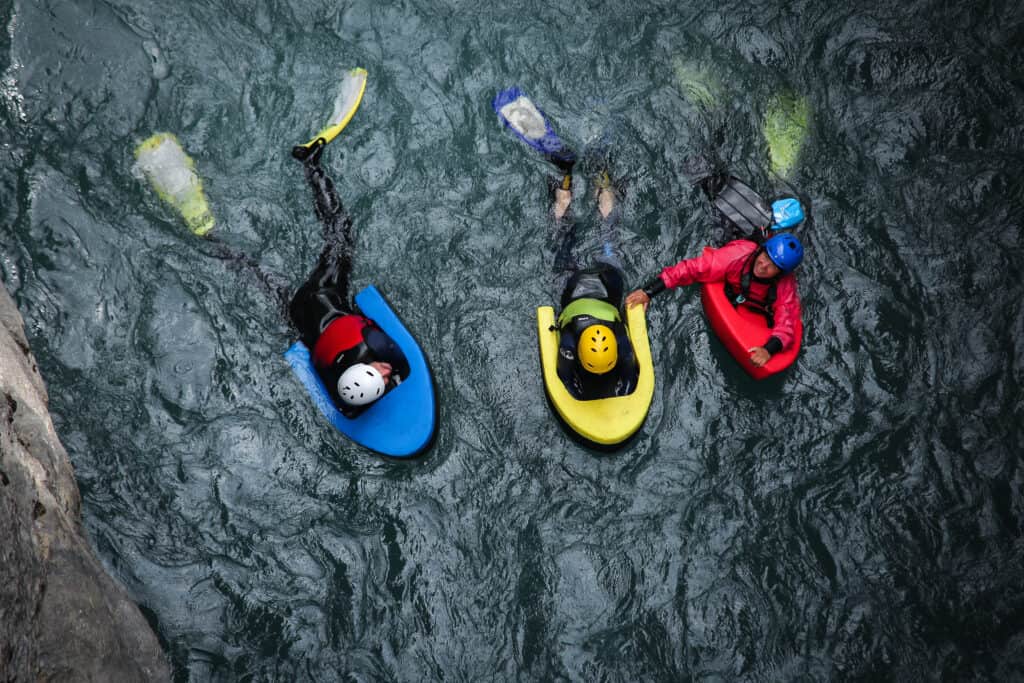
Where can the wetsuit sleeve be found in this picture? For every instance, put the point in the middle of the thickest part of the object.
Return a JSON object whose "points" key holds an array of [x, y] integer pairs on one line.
{"points": [[654, 287], [384, 349], [627, 368], [712, 266], [787, 313], [566, 363]]}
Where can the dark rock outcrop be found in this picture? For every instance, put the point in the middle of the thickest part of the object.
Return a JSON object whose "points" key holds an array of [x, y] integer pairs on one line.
{"points": [[62, 617]]}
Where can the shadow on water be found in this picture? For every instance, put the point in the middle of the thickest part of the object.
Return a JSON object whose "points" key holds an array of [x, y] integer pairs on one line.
{"points": [[738, 381], [594, 448]]}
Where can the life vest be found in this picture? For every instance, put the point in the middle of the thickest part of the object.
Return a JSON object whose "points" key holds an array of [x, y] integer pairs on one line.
{"points": [[595, 308], [742, 297], [342, 334]]}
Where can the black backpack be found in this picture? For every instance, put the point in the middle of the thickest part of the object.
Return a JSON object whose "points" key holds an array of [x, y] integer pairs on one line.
{"points": [[742, 213]]}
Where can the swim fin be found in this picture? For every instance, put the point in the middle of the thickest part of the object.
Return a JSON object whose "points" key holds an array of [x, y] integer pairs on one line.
{"points": [[172, 174], [353, 85], [518, 113]]}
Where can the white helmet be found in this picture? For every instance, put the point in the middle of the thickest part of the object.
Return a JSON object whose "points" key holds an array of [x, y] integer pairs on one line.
{"points": [[360, 385]]}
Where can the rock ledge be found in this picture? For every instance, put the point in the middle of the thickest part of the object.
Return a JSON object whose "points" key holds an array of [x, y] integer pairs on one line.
{"points": [[62, 617]]}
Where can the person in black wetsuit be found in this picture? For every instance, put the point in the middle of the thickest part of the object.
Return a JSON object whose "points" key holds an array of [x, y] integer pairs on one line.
{"points": [[595, 354], [357, 362]]}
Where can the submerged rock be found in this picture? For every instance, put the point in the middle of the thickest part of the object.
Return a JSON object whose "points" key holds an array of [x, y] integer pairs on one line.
{"points": [[62, 617], [785, 129]]}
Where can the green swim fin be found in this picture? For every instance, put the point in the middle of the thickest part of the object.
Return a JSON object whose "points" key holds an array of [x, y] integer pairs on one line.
{"points": [[696, 84], [785, 129]]}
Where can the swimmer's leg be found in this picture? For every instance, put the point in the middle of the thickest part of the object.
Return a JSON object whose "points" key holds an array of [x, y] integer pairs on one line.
{"points": [[325, 293], [334, 265], [563, 223], [606, 197], [328, 207], [561, 191], [609, 206]]}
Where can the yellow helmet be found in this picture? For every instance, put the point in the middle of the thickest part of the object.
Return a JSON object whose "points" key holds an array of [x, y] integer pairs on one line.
{"points": [[597, 349]]}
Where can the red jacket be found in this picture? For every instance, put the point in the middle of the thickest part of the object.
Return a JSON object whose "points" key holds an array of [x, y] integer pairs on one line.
{"points": [[727, 264]]}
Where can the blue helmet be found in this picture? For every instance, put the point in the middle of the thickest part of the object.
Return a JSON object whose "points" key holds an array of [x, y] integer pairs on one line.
{"points": [[785, 251]]}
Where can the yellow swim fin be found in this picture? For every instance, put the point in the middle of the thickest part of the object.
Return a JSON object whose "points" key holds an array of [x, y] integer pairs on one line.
{"points": [[172, 174], [345, 105]]}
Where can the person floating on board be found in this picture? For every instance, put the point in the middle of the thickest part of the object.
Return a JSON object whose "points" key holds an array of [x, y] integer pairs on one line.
{"points": [[757, 269], [595, 354], [357, 362], [595, 357], [362, 368]]}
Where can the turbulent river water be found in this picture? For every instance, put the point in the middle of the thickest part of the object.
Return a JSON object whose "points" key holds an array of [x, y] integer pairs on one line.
{"points": [[858, 517]]}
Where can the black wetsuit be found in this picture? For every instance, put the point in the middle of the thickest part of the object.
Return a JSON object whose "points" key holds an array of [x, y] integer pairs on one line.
{"points": [[324, 296], [602, 282]]}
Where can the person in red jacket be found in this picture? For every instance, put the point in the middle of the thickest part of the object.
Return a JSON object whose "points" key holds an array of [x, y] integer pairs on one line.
{"points": [[758, 276]]}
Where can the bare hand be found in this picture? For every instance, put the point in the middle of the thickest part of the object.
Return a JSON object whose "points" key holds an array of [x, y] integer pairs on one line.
{"points": [[759, 356], [638, 296]]}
